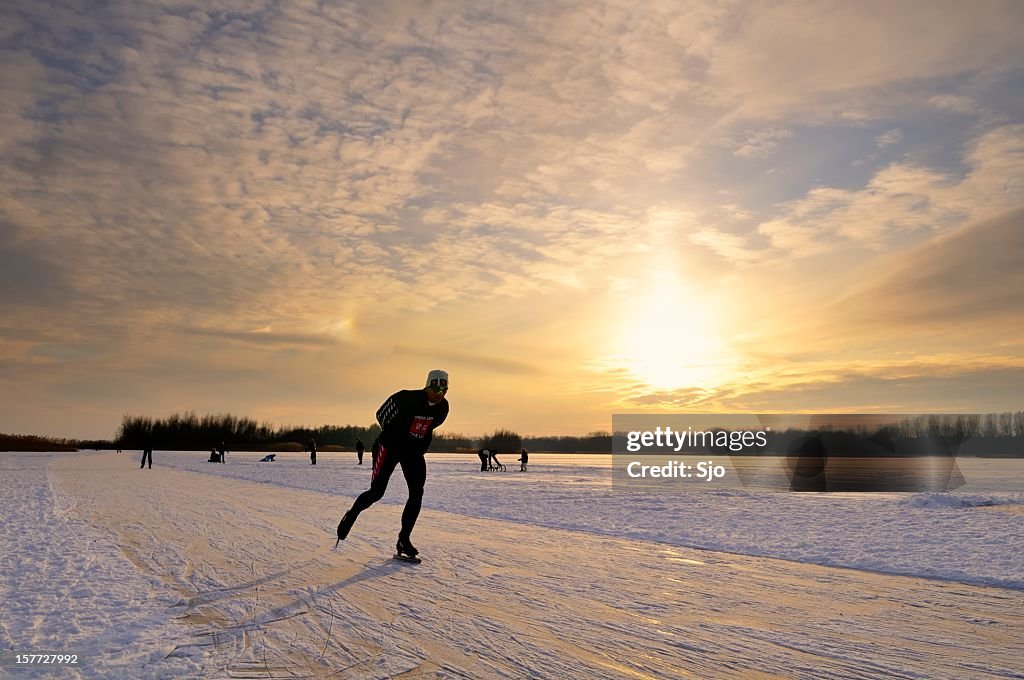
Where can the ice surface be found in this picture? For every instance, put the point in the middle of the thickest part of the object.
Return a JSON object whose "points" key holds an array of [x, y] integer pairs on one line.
{"points": [[199, 570]]}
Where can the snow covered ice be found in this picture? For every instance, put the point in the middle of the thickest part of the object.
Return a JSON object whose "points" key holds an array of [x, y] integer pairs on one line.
{"points": [[197, 570]]}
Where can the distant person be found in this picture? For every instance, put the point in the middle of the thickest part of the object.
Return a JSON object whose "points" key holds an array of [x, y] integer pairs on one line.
{"points": [[223, 452], [359, 450], [214, 456], [524, 458], [374, 453], [407, 419], [312, 452], [147, 455], [484, 456]]}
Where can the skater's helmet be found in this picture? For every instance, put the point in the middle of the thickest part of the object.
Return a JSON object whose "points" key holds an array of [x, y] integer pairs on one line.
{"points": [[438, 380]]}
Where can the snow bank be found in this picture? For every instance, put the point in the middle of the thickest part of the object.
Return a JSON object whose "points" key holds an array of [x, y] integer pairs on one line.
{"points": [[948, 500]]}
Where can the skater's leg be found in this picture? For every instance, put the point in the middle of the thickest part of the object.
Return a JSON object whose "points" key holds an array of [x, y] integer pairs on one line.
{"points": [[386, 463], [381, 475], [414, 467]]}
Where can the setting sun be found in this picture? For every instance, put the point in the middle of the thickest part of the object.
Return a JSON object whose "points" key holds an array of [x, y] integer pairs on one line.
{"points": [[670, 340]]}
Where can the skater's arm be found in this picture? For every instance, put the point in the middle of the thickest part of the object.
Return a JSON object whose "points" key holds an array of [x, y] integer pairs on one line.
{"points": [[388, 412], [395, 416], [439, 420]]}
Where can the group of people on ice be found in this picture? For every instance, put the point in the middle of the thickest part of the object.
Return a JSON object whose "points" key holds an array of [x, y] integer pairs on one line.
{"points": [[218, 455], [489, 460], [360, 448]]}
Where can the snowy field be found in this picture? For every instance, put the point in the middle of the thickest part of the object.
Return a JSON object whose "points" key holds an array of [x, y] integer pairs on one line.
{"points": [[200, 570]]}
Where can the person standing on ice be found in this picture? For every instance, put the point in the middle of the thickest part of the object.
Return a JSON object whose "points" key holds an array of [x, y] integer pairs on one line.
{"points": [[312, 451], [147, 453], [407, 419], [359, 450]]}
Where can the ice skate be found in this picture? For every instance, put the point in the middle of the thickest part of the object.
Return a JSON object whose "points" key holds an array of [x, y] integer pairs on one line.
{"points": [[344, 526], [405, 551]]}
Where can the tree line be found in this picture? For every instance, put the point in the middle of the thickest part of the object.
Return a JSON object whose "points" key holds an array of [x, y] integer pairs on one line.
{"points": [[1006, 424], [191, 432], [995, 433], [31, 442]]}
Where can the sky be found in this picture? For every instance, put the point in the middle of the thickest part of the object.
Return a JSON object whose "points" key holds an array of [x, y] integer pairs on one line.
{"points": [[288, 210]]}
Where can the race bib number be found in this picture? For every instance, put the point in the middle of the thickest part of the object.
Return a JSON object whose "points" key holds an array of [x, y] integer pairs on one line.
{"points": [[420, 426]]}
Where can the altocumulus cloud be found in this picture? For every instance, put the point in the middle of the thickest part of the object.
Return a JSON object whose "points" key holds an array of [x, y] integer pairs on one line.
{"points": [[204, 170]]}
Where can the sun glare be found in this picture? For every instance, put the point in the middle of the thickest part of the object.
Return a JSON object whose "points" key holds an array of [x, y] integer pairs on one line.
{"points": [[670, 339]]}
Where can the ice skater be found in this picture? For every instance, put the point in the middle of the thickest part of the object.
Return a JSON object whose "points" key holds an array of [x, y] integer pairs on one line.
{"points": [[407, 419], [359, 450], [147, 455], [312, 452], [524, 458]]}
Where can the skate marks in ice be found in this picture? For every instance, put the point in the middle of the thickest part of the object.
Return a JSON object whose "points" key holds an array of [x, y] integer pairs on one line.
{"points": [[256, 588], [264, 597]]}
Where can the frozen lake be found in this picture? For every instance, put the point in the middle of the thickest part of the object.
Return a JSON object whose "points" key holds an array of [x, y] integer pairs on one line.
{"points": [[194, 569], [975, 534]]}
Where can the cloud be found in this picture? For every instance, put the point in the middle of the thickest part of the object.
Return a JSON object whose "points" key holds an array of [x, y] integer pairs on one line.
{"points": [[338, 172], [266, 165], [970, 390], [788, 56], [762, 143], [964, 105], [28, 278], [949, 382], [471, 361], [889, 138], [265, 337], [731, 247], [970, 276], [903, 197]]}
